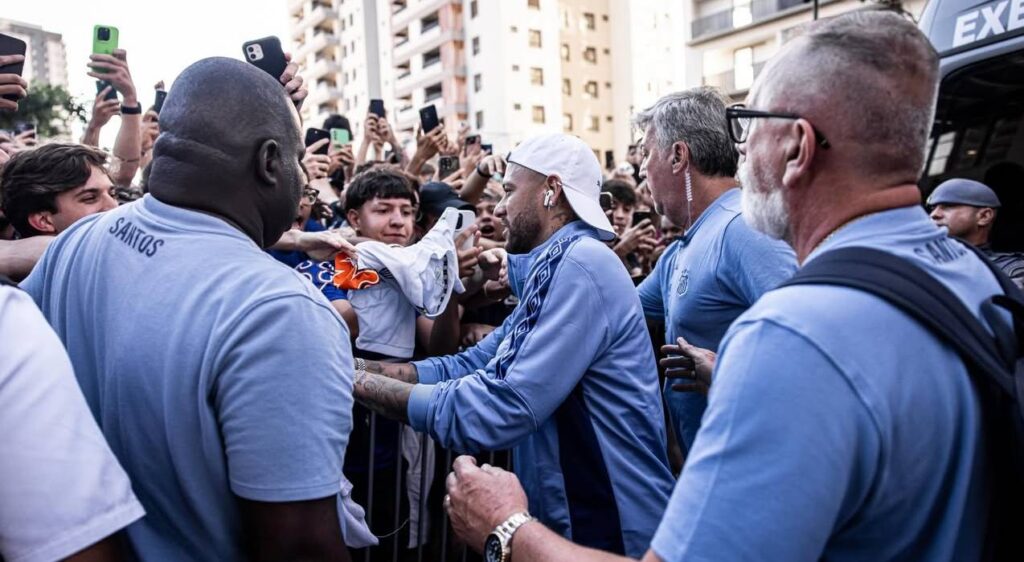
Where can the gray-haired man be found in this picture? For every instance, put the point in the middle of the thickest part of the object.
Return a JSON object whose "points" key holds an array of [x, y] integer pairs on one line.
{"points": [[720, 266]]}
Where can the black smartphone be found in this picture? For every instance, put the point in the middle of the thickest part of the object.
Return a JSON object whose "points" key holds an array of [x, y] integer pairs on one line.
{"points": [[12, 46], [472, 139], [428, 118], [488, 148], [447, 165], [313, 135], [641, 216], [266, 53], [606, 201], [377, 108], [101, 84], [158, 103], [609, 160]]}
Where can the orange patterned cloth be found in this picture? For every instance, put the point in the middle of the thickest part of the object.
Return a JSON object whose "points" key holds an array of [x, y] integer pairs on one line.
{"points": [[348, 276]]}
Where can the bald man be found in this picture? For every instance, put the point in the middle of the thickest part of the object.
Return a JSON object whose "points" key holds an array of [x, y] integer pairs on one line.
{"points": [[837, 428], [221, 378]]}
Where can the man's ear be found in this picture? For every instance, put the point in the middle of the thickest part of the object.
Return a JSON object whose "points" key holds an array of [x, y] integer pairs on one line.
{"points": [[42, 222], [799, 148], [986, 216], [268, 161], [680, 157]]}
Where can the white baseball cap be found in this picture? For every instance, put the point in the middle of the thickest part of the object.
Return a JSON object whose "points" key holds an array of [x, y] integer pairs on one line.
{"points": [[569, 158]]}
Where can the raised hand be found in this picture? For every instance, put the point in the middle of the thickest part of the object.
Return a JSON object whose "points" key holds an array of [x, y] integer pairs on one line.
{"points": [[114, 69], [293, 83], [11, 83]]}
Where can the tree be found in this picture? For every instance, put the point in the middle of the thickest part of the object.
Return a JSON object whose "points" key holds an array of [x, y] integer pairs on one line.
{"points": [[50, 107]]}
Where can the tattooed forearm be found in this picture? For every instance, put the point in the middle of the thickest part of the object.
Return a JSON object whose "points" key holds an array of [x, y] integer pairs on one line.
{"points": [[386, 396], [405, 372]]}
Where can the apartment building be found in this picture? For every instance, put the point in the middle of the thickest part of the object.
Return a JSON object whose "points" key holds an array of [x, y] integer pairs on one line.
{"points": [[46, 58], [344, 48], [730, 40]]}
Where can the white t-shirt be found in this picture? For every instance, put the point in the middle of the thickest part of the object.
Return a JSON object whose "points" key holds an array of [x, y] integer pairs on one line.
{"points": [[61, 488]]}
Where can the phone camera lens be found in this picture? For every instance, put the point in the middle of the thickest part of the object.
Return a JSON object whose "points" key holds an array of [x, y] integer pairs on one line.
{"points": [[103, 33]]}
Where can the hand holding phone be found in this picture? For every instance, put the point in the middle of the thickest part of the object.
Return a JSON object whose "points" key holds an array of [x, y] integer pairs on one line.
{"points": [[641, 216], [428, 119], [158, 102], [12, 64], [313, 135]]}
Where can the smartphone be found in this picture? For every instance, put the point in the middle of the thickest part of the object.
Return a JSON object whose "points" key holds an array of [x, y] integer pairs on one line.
{"points": [[104, 39], [609, 160], [488, 148], [266, 54], [428, 118], [465, 220], [101, 84], [313, 135], [377, 108], [24, 126], [340, 137], [447, 165], [606, 201], [641, 216], [472, 139], [158, 103], [12, 46]]}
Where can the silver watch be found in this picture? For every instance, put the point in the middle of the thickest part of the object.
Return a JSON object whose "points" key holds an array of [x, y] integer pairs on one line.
{"points": [[497, 547]]}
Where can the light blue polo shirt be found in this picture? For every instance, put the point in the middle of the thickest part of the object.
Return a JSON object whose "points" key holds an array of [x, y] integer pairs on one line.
{"points": [[569, 382], [213, 370], [839, 428], [704, 281]]}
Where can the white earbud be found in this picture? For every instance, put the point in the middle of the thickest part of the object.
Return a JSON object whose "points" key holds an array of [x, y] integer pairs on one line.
{"points": [[547, 198]]}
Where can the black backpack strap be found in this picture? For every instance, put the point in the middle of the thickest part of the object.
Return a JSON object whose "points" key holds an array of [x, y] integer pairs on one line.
{"points": [[918, 294]]}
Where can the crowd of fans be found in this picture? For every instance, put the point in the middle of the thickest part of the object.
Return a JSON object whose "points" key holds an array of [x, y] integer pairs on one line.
{"points": [[616, 330]]}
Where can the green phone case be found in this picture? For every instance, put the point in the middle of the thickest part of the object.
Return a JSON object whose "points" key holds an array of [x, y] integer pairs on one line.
{"points": [[340, 137], [104, 47]]}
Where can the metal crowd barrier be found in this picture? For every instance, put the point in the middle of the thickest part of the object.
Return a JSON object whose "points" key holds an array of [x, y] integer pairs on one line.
{"points": [[395, 527]]}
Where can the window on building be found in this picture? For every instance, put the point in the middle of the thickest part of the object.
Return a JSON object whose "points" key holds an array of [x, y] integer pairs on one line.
{"points": [[479, 120], [429, 22], [513, 29], [608, 118], [538, 114], [517, 106], [477, 82], [590, 89], [595, 124], [472, 9], [565, 52], [535, 4], [537, 76], [431, 93], [567, 122], [431, 57], [590, 55], [566, 87], [476, 45], [588, 21], [607, 51], [535, 38], [515, 68]]}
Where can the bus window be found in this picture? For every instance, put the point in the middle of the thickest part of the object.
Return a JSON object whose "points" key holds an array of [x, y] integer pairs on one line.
{"points": [[979, 134]]}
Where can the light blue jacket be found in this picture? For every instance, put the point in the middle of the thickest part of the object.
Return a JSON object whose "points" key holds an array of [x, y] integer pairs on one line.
{"points": [[569, 381]]}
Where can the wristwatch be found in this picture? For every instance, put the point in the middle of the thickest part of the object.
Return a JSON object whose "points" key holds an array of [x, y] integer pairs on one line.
{"points": [[497, 547], [128, 110]]}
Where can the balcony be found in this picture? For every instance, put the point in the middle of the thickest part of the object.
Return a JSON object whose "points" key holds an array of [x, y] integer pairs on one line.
{"points": [[323, 67], [318, 16], [319, 42], [424, 42], [727, 20], [405, 16], [411, 81], [726, 81]]}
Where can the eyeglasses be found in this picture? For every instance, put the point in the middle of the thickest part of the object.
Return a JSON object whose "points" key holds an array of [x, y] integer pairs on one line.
{"points": [[310, 194], [739, 119]]}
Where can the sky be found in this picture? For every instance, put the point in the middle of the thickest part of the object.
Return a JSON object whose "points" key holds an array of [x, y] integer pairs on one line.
{"points": [[161, 37]]}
